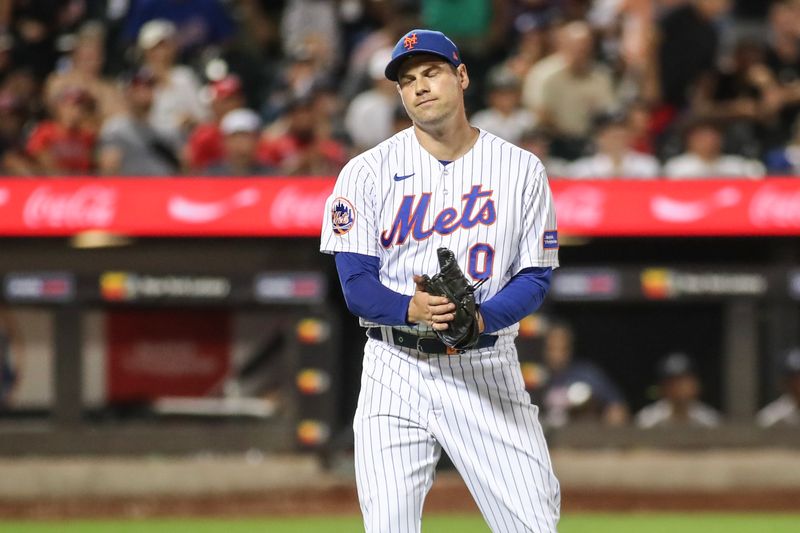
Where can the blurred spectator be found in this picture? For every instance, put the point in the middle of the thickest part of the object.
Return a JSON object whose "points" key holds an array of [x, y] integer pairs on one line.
{"points": [[504, 117], [311, 27], [543, 67], [577, 388], [782, 58], [786, 159], [205, 144], [241, 129], [680, 402], [84, 71], [615, 157], [537, 141], [177, 106], [743, 96], [300, 143], [65, 145], [533, 44], [34, 26], [574, 93], [296, 80], [128, 144], [369, 116], [10, 348], [703, 157], [199, 23], [14, 160], [689, 43], [786, 409]]}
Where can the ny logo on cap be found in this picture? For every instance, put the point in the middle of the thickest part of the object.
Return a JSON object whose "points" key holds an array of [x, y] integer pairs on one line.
{"points": [[410, 41]]}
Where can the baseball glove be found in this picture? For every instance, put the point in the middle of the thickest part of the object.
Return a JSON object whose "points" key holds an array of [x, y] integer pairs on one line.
{"points": [[463, 331]]}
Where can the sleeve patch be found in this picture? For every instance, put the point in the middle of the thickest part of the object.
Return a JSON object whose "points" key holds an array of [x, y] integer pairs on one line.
{"points": [[550, 240], [343, 215]]}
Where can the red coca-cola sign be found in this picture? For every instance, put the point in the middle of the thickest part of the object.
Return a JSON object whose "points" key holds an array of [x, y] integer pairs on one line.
{"points": [[87, 206], [295, 207]]}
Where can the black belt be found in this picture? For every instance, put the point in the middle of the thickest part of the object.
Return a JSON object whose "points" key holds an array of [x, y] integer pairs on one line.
{"points": [[430, 345]]}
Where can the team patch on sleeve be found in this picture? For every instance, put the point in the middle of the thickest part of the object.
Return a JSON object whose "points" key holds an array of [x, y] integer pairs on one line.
{"points": [[550, 240], [343, 215]]}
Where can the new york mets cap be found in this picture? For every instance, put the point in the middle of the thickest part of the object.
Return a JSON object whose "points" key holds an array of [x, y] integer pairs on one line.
{"points": [[422, 42]]}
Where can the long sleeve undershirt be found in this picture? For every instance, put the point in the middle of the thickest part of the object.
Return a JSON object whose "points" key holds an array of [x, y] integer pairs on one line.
{"points": [[368, 298]]}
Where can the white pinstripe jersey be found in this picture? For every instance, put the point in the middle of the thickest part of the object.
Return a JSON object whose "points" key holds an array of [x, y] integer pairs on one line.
{"points": [[492, 207]]}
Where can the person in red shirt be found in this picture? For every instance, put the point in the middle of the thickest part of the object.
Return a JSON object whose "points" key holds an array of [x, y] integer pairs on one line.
{"points": [[66, 144], [205, 147], [300, 143]]}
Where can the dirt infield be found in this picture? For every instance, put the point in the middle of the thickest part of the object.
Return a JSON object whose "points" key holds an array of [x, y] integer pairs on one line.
{"points": [[448, 495]]}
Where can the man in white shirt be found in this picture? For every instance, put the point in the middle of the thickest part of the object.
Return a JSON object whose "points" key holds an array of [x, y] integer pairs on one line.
{"points": [[614, 157], [786, 409], [703, 157], [370, 116], [680, 404]]}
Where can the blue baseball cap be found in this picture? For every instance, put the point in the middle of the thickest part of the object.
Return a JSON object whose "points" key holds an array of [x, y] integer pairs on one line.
{"points": [[422, 42]]}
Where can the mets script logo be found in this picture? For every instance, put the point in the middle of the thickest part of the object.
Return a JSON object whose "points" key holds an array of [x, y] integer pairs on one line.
{"points": [[410, 41], [343, 216], [412, 213]]}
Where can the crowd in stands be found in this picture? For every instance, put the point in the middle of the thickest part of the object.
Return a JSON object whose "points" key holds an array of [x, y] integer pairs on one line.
{"points": [[596, 88]]}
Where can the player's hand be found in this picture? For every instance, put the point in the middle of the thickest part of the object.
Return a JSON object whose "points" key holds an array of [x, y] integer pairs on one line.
{"points": [[436, 311]]}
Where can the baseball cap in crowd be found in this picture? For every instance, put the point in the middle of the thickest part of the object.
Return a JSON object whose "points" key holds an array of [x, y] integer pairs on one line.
{"points": [[674, 365], [422, 42], [791, 364], [155, 32], [240, 121], [228, 86]]}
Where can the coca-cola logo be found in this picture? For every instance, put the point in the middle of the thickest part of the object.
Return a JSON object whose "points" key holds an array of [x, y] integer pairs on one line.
{"points": [[776, 208], [294, 207], [580, 206], [90, 206]]}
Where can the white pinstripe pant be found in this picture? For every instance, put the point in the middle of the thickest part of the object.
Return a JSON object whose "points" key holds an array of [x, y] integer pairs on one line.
{"points": [[474, 406]]}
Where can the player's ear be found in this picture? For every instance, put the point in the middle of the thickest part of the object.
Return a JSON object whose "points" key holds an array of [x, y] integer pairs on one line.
{"points": [[463, 77]]}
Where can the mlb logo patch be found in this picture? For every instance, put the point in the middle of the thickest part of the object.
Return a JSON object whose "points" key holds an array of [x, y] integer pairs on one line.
{"points": [[343, 216], [550, 240]]}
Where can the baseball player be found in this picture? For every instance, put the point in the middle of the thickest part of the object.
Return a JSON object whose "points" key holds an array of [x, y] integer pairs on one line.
{"points": [[443, 185]]}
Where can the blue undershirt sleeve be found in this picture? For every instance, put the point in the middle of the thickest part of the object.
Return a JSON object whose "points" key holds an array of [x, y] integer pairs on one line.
{"points": [[364, 293], [521, 296]]}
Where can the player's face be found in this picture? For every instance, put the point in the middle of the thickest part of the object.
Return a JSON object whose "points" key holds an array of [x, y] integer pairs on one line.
{"points": [[431, 89]]}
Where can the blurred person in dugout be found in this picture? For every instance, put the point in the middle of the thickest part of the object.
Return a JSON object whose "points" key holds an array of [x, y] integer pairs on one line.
{"points": [[785, 411], [576, 389], [614, 155], [129, 145], [703, 156], [64, 144], [680, 405], [241, 129], [10, 356], [205, 146], [504, 115], [177, 104]]}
